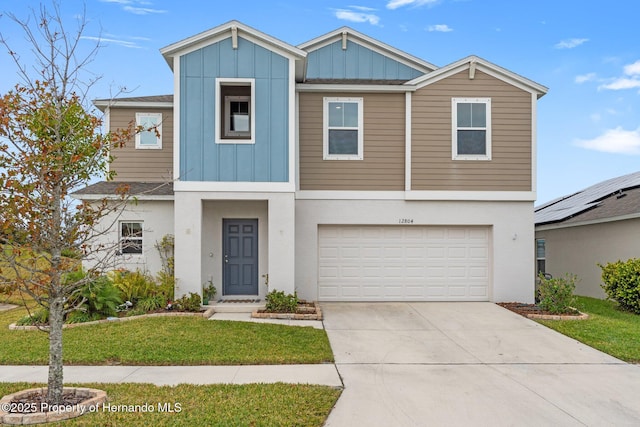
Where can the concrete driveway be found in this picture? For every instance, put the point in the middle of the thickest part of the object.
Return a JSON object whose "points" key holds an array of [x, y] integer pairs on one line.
{"points": [[450, 364]]}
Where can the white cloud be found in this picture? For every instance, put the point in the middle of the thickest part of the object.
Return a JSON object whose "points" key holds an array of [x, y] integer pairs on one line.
{"points": [[632, 69], [621, 84], [142, 10], [362, 8], [395, 4], [583, 78], [350, 15], [120, 42], [442, 28], [617, 141], [595, 117], [570, 43]]}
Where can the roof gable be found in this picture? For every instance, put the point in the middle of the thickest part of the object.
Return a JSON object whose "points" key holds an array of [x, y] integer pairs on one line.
{"points": [[473, 63], [346, 38], [233, 29]]}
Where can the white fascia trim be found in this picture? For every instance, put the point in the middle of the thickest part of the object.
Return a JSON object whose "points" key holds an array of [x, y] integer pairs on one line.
{"points": [[349, 195], [107, 128], [371, 43], [484, 66], [407, 141], [222, 32], [534, 143], [131, 198], [583, 223], [293, 125], [131, 104], [231, 187], [497, 196], [176, 118], [309, 87]]}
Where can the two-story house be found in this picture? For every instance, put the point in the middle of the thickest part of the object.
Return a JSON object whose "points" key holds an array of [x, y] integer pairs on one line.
{"points": [[342, 168]]}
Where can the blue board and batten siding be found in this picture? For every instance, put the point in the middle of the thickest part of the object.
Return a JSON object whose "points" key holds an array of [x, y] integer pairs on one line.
{"points": [[355, 62], [201, 159]]}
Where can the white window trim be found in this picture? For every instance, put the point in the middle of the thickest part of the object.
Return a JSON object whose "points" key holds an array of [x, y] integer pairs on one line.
{"points": [[121, 238], [158, 144], [219, 125], [454, 129], [325, 130]]}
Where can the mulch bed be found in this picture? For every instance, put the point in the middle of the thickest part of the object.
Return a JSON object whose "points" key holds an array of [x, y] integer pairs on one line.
{"points": [[533, 311]]}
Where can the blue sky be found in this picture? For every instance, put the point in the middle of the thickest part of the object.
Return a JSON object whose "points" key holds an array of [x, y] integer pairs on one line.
{"points": [[586, 52]]}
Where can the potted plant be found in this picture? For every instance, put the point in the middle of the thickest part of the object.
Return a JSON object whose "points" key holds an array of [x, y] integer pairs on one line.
{"points": [[208, 292]]}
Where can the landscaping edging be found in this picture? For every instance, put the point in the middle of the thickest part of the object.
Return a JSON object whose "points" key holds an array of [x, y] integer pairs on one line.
{"points": [[316, 315], [581, 316], [206, 314], [93, 398]]}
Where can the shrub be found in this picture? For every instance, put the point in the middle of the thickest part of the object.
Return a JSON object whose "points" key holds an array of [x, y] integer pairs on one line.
{"points": [[621, 283], [39, 317], [152, 303], [279, 302], [166, 285], [189, 303], [133, 285], [101, 297], [556, 294]]}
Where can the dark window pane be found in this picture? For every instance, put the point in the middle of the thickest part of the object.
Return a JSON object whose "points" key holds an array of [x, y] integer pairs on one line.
{"points": [[343, 141], [472, 142], [542, 266], [131, 246], [478, 115], [464, 115]]}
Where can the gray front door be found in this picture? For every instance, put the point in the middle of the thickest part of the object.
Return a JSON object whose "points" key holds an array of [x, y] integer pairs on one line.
{"points": [[240, 257]]}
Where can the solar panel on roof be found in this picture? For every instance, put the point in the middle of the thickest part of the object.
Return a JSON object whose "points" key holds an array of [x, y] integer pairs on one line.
{"points": [[561, 209]]}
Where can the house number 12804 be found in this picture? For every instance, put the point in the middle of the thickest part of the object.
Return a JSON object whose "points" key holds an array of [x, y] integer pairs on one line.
{"points": [[405, 221]]}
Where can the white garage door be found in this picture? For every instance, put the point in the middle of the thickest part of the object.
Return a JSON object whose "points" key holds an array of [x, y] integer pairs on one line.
{"points": [[403, 263]]}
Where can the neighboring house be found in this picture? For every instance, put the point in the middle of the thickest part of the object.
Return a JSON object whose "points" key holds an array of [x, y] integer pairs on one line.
{"points": [[597, 225], [342, 168]]}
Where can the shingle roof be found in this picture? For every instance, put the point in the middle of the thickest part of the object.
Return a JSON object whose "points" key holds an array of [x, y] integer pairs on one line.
{"points": [[355, 81], [608, 199], [154, 98], [109, 188]]}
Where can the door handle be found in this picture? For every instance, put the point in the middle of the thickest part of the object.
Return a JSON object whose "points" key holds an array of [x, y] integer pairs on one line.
{"points": [[226, 258]]}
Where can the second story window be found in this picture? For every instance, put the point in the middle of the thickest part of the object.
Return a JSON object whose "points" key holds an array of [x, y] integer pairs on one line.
{"points": [[471, 133], [235, 117], [343, 129], [151, 135]]}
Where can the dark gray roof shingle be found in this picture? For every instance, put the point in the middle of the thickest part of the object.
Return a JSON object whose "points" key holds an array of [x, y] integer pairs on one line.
{"points": [[109, 188]]}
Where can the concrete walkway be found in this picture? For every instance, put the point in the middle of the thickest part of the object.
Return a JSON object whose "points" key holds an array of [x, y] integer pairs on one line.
{"points": [[172, 375], [454, 364]]}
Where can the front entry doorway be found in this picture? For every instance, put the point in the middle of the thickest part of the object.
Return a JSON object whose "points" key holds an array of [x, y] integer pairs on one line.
{"points": [[240, 257]]}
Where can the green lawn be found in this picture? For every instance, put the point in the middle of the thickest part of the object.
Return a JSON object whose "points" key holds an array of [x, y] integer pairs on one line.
{"points": [[168, 341], [608, 329], [212, 405]]}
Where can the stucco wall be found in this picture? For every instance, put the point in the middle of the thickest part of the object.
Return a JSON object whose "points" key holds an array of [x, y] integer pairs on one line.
{"points": [[579, 249], [512, 256]]}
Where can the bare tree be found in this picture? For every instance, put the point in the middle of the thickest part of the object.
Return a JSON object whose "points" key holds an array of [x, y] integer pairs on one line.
{"points": [[51, 145]]}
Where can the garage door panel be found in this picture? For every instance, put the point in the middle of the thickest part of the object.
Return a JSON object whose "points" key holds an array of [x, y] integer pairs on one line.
{"points": [[397, 263]]}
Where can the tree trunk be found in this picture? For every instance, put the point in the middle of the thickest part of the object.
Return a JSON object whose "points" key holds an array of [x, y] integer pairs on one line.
{"points": [[55, 384]]}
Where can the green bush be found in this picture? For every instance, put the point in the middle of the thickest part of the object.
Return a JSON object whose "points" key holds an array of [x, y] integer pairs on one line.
{"points": [[152, 303], [166, 285], [621, 283], [279, 302], [556, 294], [188, 303], [38, 317], [133, 285], [101, 297]]}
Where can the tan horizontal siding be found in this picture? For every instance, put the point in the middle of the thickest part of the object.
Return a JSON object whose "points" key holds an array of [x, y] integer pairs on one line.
{"points": [[142, 165], [384, 141], [431, 164]]}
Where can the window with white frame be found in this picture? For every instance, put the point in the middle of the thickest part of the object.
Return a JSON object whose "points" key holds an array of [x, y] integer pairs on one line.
{"points": [[235, 117], [541, 256], [130, 237], [471, 128], [343, 129], [150, 137]]}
